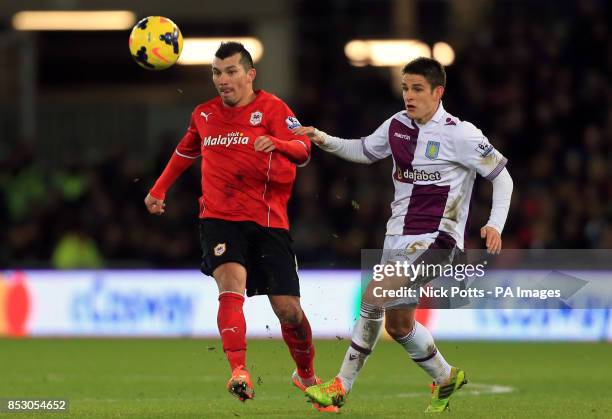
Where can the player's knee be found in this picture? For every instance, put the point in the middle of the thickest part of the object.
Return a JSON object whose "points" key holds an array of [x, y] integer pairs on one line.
{"points": [[288, 312], [230, 277], [398, 329], [370, 297]]}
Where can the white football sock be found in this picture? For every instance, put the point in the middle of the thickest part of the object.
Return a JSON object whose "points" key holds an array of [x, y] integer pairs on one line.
{"points": [[365, 336], [420, 346]]}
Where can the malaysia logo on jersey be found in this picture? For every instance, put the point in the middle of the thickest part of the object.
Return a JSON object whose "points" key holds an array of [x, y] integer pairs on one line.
{"points": [[292, 122], [256, 118], [432, 150], [231, 138]]}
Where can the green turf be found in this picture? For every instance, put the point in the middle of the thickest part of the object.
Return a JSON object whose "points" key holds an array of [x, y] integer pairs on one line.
{"points": [[186, 378]]}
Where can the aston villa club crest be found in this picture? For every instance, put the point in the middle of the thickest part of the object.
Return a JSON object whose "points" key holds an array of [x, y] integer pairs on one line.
{"points": [[432, 149], [256, 118], [219, 249]]}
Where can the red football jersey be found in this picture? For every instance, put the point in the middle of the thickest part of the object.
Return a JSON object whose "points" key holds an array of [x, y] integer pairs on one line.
{"points": [[239, 183]]}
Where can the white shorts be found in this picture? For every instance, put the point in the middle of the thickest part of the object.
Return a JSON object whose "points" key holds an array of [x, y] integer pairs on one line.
{"points": [[405, 248], [410, 249]]}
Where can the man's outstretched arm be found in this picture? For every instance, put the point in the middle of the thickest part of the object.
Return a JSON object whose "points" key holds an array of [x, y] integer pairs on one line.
{"points": [[187, 151], [177, 164], [351, 150]]}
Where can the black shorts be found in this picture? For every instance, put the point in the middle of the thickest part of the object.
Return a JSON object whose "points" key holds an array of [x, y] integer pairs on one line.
{"points": [[265, 252]]}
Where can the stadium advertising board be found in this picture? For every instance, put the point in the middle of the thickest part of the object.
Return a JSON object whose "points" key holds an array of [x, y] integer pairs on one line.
{"points": [[184, 303]]}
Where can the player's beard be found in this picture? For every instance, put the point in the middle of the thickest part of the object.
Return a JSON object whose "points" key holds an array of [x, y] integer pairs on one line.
{"points": [[228, 100]]}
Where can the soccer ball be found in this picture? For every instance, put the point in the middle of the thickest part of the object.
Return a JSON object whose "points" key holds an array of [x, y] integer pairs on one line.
{"points": [[156, 43]]}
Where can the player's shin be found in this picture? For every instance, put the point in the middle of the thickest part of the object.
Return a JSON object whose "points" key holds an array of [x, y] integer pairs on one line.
{"points": [[232, 328], [365, 336], [298, 338], [419, 344]]}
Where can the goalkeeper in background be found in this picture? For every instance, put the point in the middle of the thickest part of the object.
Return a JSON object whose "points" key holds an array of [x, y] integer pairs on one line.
{"points": [[436, 157]]}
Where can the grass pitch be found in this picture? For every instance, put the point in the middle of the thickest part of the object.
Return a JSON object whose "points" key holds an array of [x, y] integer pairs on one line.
{"points": [[186, 378]]}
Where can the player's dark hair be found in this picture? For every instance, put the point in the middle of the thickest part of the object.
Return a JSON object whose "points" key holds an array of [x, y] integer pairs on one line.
{"points": [[227, 49], [429, 68]]}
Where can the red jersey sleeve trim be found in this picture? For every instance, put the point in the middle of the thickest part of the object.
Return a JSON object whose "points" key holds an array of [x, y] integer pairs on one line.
{"points": [[186, 156]]}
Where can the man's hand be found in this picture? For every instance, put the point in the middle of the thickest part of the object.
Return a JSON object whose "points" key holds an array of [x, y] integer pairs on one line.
{"points": [[154, 205], [314, 134], [264, 143], [493, 239]]}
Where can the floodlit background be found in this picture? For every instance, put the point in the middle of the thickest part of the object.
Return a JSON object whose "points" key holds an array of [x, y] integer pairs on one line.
{"points": [[84, 132]]}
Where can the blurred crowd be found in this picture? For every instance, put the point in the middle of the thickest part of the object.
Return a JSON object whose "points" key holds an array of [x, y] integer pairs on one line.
{"points": [[537, 84]]}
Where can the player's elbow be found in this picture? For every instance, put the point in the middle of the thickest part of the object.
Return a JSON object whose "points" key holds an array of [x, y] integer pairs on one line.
{"points": [[302, 162], [362, 160]]}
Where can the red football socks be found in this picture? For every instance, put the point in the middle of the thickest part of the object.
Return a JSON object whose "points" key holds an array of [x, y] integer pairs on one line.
{"points": [[232, 328], [298, 338]]}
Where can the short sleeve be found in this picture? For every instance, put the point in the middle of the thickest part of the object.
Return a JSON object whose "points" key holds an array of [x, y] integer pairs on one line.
{"points": [[376, 145], [474, 151], [189, 146]]}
